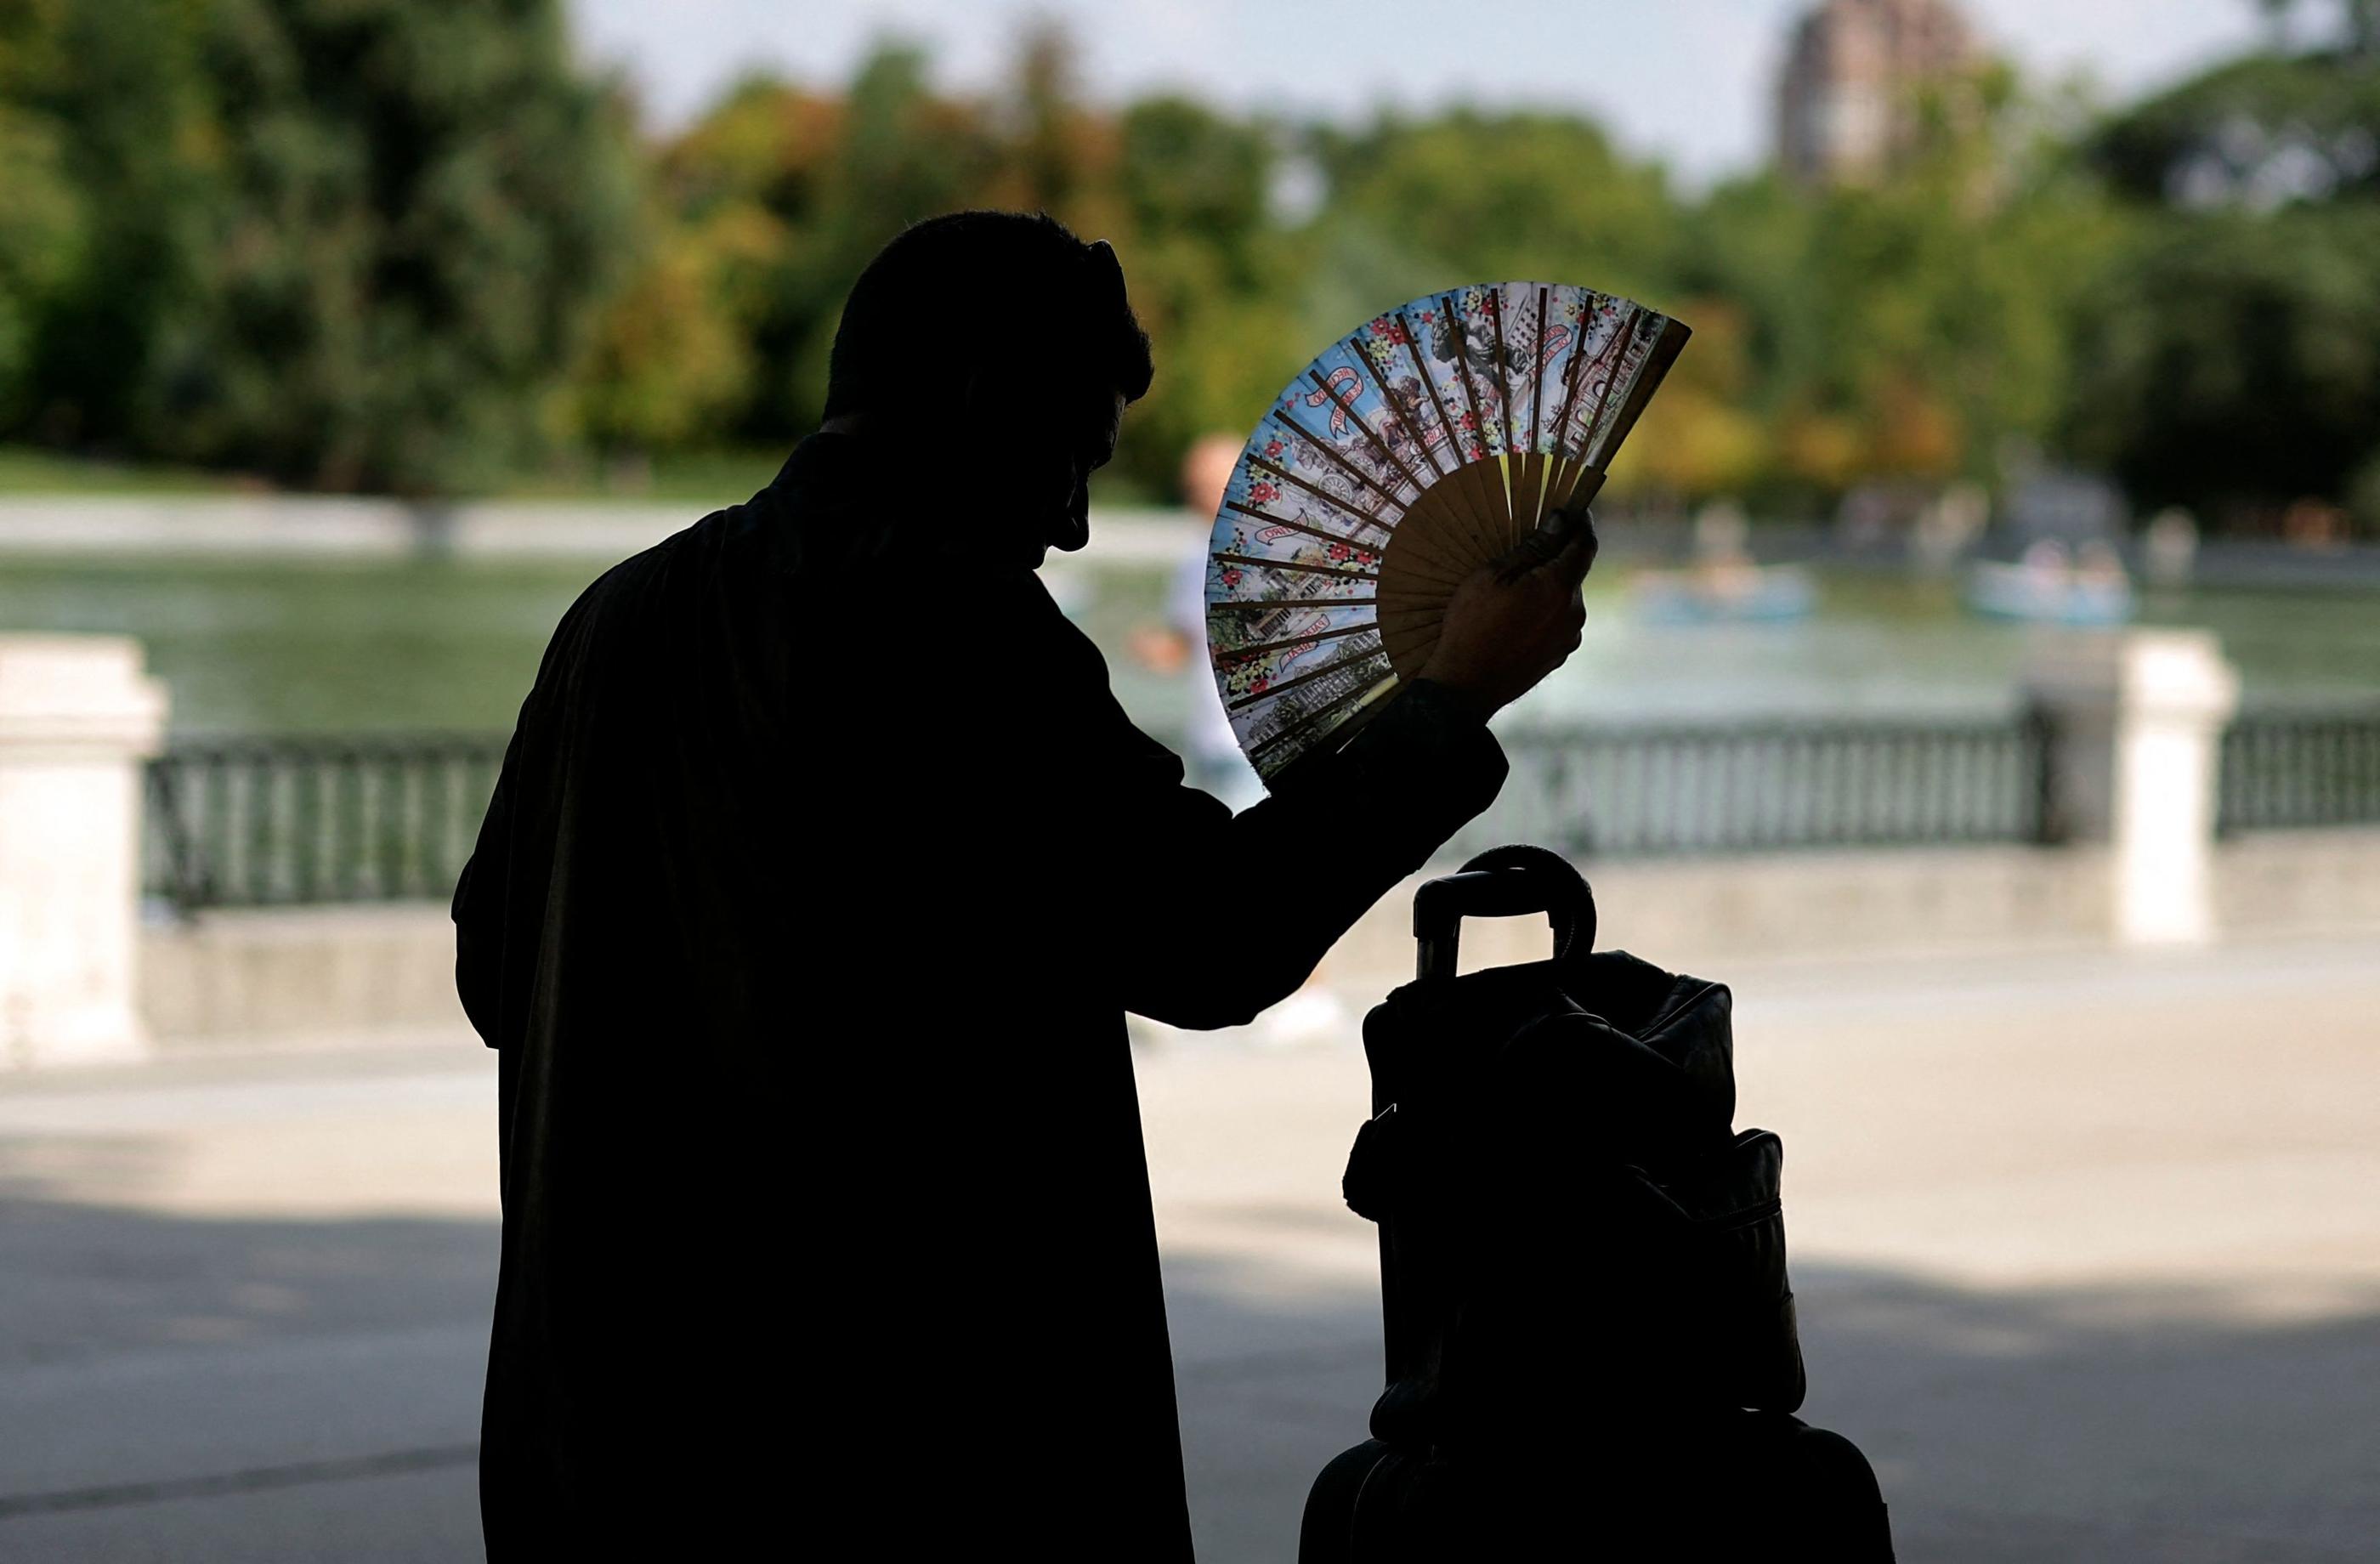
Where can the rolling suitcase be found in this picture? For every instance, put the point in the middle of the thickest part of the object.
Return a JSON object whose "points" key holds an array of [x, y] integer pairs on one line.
{"points": [[1591, 1348]]}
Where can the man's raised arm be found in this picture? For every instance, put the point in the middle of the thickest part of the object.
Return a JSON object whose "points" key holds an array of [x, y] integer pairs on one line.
{"points": [[1209, 917]]}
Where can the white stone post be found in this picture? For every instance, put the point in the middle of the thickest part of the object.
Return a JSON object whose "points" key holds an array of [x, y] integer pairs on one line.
{"points": [[2137, 721], [78, 717]]}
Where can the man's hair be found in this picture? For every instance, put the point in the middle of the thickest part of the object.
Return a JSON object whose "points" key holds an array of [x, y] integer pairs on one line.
{"points": [[974, 289]]}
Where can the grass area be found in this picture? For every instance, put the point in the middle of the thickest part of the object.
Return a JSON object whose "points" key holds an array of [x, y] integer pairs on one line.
{"points": [[716, 479], [707, 478], [710, 478], [28, 470]]}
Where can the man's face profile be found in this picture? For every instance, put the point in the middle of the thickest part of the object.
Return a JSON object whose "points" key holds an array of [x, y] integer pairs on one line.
{"points": [[1102, 423], [1039, 439]]}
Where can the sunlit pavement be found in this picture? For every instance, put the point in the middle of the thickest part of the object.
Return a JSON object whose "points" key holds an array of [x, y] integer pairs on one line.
{"points": [[2088, 1249]]}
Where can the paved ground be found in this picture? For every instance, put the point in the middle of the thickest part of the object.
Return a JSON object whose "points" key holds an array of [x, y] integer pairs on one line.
{"points": [[2088, 1246]]}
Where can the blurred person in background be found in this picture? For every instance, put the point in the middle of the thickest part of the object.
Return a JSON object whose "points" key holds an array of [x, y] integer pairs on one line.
{"points": [[821, 870], [1211, 750]]}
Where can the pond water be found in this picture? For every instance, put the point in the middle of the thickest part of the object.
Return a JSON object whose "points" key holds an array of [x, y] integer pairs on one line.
{"points": [[314, 646]]}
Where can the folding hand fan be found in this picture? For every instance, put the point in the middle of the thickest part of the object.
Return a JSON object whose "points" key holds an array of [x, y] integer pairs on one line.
{"points": [[1413, 450]]}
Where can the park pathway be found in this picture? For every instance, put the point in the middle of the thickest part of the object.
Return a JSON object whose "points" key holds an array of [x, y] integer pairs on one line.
{"points": [[2088, 1248]]}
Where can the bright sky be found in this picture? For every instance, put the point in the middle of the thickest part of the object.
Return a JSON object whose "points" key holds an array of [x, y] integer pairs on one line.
{"points": [[1688, 81]]}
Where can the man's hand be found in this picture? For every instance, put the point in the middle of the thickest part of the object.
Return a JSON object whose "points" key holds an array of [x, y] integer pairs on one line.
{"points": [[1518, 617]]}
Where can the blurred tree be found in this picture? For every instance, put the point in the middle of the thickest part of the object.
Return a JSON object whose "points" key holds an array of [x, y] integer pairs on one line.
{"points": [[108, 98], [788, 195], [1747, 242], [2232, 363], [360, 243], [2359, 20], [1905, 327], [1212, 277], [417, 208], [42, 219], [2257, 133], [779, 198], [676, 362], [671, 364], [1468, 196], [1698, 438]]}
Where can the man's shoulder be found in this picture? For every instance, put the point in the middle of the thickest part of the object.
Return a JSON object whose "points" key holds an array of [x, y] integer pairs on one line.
{"points": [[714, 539]]}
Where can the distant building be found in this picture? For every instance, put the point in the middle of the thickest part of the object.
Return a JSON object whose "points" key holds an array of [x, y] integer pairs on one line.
{"points": [[1844, 106]]}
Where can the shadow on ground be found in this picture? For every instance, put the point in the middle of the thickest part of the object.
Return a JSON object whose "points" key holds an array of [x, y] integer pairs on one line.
{"points": [[193, 1389], [2117, 1423]]}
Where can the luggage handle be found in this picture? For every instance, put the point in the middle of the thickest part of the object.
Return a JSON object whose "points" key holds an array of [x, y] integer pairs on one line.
{"points": [[1503, 882]]}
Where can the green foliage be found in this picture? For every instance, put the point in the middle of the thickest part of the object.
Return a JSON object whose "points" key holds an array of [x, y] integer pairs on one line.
{"points": [[1467, 195], [418, 206], [1942, 301], [2231, 359], [2236, 359], [41, 219], [116, 88], [41, 240], [2257, 132], [349, 243], [402, 244]]}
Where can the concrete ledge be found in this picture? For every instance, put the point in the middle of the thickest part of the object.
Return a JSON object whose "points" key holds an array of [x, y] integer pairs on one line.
{"points": [[280, 978], [344, 526], [2299, 882], [376, 975]]}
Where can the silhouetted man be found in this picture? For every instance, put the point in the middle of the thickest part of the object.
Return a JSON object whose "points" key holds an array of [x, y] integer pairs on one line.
{"points": [[823, 870]]}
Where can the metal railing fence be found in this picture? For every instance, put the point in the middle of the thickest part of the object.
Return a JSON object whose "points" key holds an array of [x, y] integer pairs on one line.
{"points": [[264, 822], [296, 820], [1769, 786], [2283, 767]]}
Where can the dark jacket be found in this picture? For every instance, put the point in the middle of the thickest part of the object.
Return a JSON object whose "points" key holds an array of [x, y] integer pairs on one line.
{"points": [[822, 871]]}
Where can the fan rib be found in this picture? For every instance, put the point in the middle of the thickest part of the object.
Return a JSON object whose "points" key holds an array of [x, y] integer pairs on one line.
{"points": [[1491, 530], [1439, 579], [1451, 436], [1347, 405], [1307, 719], [1257, 649], [1529, 475], [1368, 654], [1649, 374], [1396, 411], [1418, 541], [1537, 379], [1578, 359], [1275, 605], [1617, 352], [1307, 528], [1397, 408], [1293, 565], [1373, 549], [1358, 474], [1455, 324], [1495, 301], [1363, 518]]}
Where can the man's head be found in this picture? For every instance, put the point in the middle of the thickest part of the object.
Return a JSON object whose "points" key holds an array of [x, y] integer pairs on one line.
{"points": [[1002, 347]]}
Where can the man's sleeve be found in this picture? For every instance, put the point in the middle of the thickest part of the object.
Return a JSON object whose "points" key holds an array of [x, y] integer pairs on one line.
{"points": [[1212, 916], [478, 908]]}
